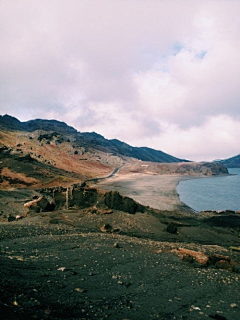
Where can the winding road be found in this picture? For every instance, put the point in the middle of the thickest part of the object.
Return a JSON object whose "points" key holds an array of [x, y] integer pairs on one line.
{"points": [[95, 180]]}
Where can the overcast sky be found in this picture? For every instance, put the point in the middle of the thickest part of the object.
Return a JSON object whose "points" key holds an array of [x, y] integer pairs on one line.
{"points": [[163, 74]]}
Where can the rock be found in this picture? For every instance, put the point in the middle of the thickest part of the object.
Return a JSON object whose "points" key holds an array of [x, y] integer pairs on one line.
{"points": [[223, 264], [11, 218], [195, 308], [114, 200], [116, 245], [201, 258], [82, 196], [95, 210], [38, 205], [106, 211], [79, 290], [234, 248], [62, 269], [106, 228], [15, 303], [172, 228], [217, 257], [233, 305]]}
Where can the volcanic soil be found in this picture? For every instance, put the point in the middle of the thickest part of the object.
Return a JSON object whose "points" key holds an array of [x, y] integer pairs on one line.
{"points": [[80, 264]]}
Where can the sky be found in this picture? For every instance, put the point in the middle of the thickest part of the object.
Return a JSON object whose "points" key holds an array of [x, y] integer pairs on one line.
{"points": [[158, 73]]}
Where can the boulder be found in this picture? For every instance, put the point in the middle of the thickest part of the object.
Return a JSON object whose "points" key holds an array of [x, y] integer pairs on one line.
{"points": [[38, 205], [218, 257], [114, 200], [172, 228], [223, 264], [106, 228], [201, 258]]}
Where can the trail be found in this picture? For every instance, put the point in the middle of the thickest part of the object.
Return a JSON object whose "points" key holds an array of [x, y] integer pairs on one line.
{"points": [[95, 180]]}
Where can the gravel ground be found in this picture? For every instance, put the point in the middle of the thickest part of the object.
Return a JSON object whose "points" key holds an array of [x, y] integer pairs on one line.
{"points": [[65, 265], [60, 271]]}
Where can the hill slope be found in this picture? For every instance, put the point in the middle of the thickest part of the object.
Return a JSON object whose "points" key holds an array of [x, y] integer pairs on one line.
{"points": [[233, 162], [46, 153], [89, 140]]}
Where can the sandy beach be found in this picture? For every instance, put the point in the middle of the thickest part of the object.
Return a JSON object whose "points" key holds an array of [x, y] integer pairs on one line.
{"points": [[156, 191]]}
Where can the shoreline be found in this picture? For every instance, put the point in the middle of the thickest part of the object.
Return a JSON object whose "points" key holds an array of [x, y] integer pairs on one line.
{"points": [[156, 191]]}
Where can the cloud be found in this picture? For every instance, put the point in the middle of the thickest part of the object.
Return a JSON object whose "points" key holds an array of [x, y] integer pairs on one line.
{"points": [[146, 72], [215, 139]]}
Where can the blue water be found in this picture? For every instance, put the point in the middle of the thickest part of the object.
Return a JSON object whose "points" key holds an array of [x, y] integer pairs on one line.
{"points": [[214, 193]]}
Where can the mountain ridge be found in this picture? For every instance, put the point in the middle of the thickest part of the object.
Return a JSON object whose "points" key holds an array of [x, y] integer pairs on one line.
{"points": [[232, 162], [46, 153], [89, 138]]}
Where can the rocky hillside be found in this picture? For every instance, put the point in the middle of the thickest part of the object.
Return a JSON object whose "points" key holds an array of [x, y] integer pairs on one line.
{"points": [[86, 139], [183, 168], [46, 153], [233, 162]]}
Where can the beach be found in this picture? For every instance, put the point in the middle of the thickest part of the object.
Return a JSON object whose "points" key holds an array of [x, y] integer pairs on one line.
{"points": [[156, 191]]}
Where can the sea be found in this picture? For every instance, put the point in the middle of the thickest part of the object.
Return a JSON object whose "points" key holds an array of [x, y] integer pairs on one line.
{"points": [[212, 193]]}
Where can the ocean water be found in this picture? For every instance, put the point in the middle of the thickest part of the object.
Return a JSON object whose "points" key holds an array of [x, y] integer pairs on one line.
{"points": [[213, 193]]}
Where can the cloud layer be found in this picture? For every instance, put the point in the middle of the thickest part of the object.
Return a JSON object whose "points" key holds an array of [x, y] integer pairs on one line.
{"points": [[164, 74]]}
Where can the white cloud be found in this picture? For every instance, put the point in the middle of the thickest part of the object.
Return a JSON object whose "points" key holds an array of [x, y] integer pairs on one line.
{"points": [[216, 138], [147, 72]]}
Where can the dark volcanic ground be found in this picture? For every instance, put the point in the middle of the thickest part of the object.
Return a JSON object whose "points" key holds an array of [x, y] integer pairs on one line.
{"points": [[61, 266]]}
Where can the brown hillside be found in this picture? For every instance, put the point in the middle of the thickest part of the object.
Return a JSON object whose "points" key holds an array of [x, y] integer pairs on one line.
{"points": [[30, 160]]}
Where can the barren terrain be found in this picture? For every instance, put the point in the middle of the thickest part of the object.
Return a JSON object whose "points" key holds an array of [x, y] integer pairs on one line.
{"points": [[157, 191], [81, 264], [69, 250]]}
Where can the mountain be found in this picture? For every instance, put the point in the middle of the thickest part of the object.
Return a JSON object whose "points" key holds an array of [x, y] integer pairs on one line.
{"points": [[45, 153], [87, 139], [13, 124], [233, 162]]}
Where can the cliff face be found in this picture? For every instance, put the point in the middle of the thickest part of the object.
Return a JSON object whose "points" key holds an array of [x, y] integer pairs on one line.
{"points": [[202, 168], [183, 168]]}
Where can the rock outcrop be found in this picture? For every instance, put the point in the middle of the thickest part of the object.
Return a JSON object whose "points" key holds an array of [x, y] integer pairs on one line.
{"points": [[199, 168], [80, 197], [200, 259], [38, 205]]}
